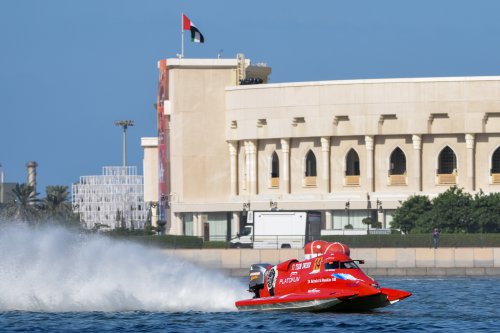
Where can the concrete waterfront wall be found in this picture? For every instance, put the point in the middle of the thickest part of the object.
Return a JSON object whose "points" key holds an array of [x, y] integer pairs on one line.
{"points": [[378, 261]]}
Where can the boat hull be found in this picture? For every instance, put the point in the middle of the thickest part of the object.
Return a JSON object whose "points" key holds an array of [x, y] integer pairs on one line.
{"points": [[344, 301], [311, 305]]}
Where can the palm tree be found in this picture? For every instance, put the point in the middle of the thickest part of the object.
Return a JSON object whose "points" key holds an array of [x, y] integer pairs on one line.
{"points": [[56, 203], [26, 205]]}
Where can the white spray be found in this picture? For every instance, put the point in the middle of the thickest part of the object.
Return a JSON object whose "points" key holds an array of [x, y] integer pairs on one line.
{"points": [[52, 269]]}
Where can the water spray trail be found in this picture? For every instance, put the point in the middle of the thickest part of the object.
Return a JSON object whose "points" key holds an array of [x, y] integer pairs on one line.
{"points": [[52, 269]]}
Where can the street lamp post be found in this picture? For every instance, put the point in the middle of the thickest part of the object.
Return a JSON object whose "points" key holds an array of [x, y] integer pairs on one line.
{"points": [[347, 208], [246, 209], [125, 211], [124, 124]]}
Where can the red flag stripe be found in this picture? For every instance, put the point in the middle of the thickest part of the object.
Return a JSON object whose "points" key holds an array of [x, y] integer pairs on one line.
{"points": [[186, 23]]}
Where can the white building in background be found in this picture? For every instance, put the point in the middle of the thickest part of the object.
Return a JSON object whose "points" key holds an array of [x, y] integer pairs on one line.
{"points": [[114, 199]]}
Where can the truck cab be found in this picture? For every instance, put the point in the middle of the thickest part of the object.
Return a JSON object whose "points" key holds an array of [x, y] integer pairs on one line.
{"points": [[243, 239]]}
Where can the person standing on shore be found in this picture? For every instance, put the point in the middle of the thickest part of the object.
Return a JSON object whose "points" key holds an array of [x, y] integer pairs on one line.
{"points": [[435, 237]]}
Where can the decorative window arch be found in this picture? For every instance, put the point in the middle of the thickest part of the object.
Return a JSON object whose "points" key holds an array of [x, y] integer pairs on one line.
{"points": [[310, 164], [447, 161], [495, 161], [275, 165], [352, 163], [397, 164]]}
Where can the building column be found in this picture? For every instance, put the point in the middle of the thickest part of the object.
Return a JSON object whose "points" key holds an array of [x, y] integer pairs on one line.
{"points": [[469, 143], [328, 220], [252, 165], [246, 175], [325, 151], [233, 167], [197, 225], [417, 147], [381, 218], [154, 216], [176, 224], [285, 150], [369, 162], [235, 224], [180, 224]]}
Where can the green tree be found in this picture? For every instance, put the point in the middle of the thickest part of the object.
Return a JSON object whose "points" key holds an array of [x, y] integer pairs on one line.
{"points": [[57, 206], [26, 205], [411, 213], [485, 213], [451, 212]]}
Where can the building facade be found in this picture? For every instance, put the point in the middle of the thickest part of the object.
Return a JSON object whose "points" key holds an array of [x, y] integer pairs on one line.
{"points": [[349, 149], [112, 200]]}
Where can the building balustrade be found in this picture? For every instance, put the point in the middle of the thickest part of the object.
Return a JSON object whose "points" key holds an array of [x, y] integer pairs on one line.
{"points": [[351, 180], [275, 182], [310, 181], [446, 178], [398, 180], [495, 178]]}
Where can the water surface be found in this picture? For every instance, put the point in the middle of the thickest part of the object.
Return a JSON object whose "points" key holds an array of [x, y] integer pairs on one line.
{"points": [[54, 281]]}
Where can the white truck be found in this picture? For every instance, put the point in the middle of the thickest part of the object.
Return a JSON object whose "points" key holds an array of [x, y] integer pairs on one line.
{"points": [[278, 230]]}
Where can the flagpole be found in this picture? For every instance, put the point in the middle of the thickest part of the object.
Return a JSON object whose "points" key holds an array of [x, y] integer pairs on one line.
{"points": [[182, 35]]}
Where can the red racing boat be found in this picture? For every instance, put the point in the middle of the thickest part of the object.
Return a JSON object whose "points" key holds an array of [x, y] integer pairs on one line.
{"points": [[327, 280]]}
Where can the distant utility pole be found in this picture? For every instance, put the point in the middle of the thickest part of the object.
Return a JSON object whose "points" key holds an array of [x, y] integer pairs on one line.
{"points": [[125, 124]]}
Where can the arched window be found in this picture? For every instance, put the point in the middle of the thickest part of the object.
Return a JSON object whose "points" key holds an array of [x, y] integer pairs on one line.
{"points": [[398, 162], [275, 171], [447, 161], [495, 161], [352, 163], [275, 166], [310, 164]]}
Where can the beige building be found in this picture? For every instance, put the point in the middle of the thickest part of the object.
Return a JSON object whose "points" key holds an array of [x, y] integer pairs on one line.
{"points": [[346, 148]]}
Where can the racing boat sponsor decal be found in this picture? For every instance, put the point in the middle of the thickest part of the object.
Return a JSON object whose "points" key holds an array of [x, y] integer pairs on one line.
{"points": [[254, 276], [320, 280], [291, 279], [299, 266], [343, 276]]}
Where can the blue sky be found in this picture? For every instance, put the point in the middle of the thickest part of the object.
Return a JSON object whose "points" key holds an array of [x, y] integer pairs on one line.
{"points": [[70, 68]]}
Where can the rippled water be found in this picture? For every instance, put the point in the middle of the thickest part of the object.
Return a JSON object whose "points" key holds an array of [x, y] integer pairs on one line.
{"points": [[54, 281]]}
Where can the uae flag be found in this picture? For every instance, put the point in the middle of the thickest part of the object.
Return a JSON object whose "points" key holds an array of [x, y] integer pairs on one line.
{"points": [[196, 35]]}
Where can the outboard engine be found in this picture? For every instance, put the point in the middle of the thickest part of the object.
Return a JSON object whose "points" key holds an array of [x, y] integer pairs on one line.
{"points": [[257, 277]]}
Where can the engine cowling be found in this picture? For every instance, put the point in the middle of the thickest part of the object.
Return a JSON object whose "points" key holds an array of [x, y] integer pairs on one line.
{"points": [[257, 277]]}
